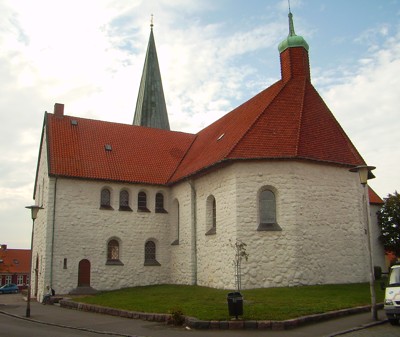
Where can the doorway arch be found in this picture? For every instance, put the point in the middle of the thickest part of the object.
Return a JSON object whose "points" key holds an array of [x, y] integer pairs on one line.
{"points": [[84, 273]]}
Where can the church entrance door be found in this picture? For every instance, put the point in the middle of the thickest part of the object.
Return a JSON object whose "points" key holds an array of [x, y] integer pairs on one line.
{"points": [[84, 273]]}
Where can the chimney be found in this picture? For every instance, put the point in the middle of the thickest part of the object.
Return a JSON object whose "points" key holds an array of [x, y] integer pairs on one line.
{"points": [[4, 247], [59, 110]]}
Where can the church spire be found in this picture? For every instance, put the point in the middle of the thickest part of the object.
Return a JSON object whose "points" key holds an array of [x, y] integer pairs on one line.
{"points": [[151, 109], [294, 55], [292, 40]]}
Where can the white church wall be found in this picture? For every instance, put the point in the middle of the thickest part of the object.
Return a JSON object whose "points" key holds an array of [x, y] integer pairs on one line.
{"points": [[214, 251], [378, 250], [183, 258], [318, 209], [41, 252], [82, 231]]}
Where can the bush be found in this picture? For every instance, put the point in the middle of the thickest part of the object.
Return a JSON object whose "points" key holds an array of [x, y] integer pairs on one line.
{"points": [[177, 317]]}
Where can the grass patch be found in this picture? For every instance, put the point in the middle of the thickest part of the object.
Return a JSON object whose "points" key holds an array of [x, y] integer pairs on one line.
{"points": [[259, 304]]}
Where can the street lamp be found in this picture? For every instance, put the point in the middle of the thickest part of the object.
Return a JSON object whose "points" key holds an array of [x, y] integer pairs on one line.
{"points": [[365, 173], [34, 211]]}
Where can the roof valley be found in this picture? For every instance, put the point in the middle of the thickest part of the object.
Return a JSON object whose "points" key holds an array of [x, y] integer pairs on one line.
{"points": [[301, 117]]}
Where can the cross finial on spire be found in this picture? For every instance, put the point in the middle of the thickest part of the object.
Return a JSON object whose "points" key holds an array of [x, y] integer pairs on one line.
{"points": [[151, 22], [291, 24]]}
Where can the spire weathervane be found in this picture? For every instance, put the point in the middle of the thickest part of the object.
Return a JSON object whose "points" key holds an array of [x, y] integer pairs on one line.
{"points": [[151, 22]]}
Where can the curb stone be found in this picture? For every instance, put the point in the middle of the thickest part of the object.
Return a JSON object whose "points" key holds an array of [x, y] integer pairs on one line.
{"points": [[195, 323]]}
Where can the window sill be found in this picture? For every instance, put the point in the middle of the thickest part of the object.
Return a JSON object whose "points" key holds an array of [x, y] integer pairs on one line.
{"points": [[151, 263], [161, 211], [212, 231], [114, 263], [175, 243], [268, 227], [125, 209], [106, 208], [143, 210]]}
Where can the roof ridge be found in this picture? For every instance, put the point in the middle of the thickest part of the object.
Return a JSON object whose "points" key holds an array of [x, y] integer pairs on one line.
{"points": [[256, 119], [352, 148], [301, 117]]}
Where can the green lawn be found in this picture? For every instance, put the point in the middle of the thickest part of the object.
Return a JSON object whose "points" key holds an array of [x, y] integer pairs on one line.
{"points": [[259, 304]]}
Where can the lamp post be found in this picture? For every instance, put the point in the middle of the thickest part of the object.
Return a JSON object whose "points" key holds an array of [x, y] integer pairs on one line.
{"points": [[365, 173], [34, 211]]}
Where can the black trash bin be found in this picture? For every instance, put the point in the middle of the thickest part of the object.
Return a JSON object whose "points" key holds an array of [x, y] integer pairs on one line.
{"points": [[235, 304]]}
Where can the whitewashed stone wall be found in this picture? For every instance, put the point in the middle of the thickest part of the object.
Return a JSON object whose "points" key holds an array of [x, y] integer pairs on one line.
{"points": [[41, 251], [215, 252], [319, 209], [82, 230], [183, 255], [378, 250]]}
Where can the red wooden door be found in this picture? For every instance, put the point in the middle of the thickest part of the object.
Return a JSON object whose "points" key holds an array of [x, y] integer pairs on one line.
{"points": [[84, 273]]}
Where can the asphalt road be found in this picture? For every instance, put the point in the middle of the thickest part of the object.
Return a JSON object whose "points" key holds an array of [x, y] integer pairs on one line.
{"points": [[15, 327], [384, 330]]}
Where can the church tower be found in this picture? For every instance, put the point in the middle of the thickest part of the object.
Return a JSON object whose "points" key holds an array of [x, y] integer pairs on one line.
{"points": [[151, 110]]}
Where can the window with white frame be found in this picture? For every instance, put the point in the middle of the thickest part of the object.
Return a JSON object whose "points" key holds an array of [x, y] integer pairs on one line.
{"points": [[20, 280]]}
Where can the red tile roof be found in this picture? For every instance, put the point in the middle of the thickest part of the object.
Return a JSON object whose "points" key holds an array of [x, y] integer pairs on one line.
{"points": [[288, 120], [15, 261], [374, 198], [138, 154]]}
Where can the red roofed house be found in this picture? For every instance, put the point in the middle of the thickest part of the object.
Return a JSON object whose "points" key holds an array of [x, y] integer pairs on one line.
{"points": [[14, 266], [129, 205]]}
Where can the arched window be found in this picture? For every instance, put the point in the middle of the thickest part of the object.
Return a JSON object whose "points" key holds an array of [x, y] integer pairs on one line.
{"points": [[267, 211], [175, 222], [113, 252], [150, 254], [124, 201], [105, 199], [142, 202], [160, 203], [211, 209]]}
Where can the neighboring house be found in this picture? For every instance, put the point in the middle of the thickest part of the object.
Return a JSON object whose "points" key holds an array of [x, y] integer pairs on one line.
{"points": [[14, 266], [132, 205], [378, 250]]}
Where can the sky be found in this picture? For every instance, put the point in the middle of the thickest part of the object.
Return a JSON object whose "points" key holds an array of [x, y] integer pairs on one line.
{"points": [[214, 55]]}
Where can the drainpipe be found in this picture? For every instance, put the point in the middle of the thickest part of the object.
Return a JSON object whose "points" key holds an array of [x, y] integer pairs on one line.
{"points": [[52, 234], [194, 235]]}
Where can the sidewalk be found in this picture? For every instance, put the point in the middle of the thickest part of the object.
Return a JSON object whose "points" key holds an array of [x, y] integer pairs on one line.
{"points": [[15, 306]]}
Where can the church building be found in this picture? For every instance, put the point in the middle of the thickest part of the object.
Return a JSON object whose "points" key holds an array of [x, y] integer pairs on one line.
{"points": [[134, 205]]}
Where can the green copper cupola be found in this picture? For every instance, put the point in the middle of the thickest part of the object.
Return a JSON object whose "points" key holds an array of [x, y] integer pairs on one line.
{"points": [[292, 40], [151, 110]]}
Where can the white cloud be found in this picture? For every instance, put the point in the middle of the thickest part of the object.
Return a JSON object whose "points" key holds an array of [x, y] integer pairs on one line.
{"points": [[89, 55], [366, 105]]}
